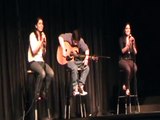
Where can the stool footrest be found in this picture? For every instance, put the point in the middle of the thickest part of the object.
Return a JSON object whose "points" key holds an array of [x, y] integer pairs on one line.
{"points": [[123, 96]]}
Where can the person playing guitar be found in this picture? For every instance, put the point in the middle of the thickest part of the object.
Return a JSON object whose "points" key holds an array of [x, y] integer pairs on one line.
{"points": [[71, 44]]}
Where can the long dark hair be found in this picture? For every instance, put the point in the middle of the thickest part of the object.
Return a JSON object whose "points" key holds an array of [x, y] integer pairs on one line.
{"points": [[35, 23], [127, 23]]}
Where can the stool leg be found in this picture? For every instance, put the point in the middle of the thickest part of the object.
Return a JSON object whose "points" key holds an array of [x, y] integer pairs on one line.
{"points": [[126, 112], [48, 111], [138, 103], [65, 111], [118, 106], [129, 99], [136, 93], [84, 109], [69, 111], [47, 104], [81, 108], [36, 111]]}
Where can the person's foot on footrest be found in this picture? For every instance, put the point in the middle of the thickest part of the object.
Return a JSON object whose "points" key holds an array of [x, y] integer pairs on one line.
{"points": [[75, 90], [83, 93], [124, 87], [127, 92], [44, 95], [81, 90], [75, 93], [37, 96]]}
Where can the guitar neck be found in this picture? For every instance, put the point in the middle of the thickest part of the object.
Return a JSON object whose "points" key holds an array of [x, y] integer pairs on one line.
{"points": [[83, 56]]}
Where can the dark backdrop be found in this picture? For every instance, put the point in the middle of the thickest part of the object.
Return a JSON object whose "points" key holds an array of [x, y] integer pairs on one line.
{"points": [[101, 23]]}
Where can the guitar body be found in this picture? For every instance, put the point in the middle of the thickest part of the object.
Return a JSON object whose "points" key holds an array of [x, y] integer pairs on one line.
{"points": [[69, 49]]}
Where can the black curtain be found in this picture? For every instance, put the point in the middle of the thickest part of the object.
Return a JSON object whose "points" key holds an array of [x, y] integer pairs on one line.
{"points": [[100, 22]]}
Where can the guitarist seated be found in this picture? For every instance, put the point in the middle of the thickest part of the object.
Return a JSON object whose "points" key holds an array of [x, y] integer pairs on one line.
{"points": [[70, 57]]}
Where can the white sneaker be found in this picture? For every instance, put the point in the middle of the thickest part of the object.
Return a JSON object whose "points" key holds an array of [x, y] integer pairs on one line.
{"points": [[83, 93], [75, 93], [75, 90], [81, 90]]}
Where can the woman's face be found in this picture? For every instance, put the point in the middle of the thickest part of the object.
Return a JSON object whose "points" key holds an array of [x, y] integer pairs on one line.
{"points": [[39, 26], [127, 30]]}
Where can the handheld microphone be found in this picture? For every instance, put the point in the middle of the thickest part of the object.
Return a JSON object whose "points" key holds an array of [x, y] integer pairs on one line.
{"points": [[131, 38], [43, 36]]}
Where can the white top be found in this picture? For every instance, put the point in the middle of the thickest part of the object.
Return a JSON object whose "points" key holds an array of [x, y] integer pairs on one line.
{"points": [[33, 42]]}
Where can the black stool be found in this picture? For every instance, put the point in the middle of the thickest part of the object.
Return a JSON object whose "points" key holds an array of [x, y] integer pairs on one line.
{"points": [[127, 98], [31, 77], [80, 100]]}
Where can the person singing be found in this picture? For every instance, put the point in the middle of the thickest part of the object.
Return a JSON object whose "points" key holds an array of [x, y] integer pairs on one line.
{"points": [[75, 40], [36, 52], [127, 58]]}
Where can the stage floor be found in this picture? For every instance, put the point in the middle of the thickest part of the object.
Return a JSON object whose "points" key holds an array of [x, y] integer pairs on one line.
{"points": [[136, 116]]}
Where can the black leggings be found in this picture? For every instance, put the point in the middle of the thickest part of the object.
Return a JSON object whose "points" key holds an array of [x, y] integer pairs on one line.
{"points": [[130, 69]]}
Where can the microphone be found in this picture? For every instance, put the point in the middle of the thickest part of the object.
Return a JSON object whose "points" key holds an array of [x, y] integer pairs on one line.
{"points": [[43, 36], [130, 35], [131, 38]]}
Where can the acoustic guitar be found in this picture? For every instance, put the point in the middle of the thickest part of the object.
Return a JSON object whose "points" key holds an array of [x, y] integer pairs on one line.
{"points": [[72, 52]]}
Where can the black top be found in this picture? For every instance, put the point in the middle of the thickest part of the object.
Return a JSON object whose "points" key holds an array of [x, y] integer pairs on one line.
{"points": [[127, 55]]}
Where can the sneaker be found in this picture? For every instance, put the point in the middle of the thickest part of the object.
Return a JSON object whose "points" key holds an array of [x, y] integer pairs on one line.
{"points": [[83, 93], [81, 90], [75, 93], [75, 90]]}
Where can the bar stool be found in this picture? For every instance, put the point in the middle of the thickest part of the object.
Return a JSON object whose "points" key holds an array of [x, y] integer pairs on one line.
{"points": [[31, 77], [78, 99], [127, 98]]}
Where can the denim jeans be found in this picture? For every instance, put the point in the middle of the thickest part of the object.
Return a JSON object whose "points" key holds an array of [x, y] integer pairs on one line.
{"points": [[75, 66]]}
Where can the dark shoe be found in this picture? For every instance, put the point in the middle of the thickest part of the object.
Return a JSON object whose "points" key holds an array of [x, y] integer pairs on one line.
{"points": [[44, 95], [37, 96]]}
